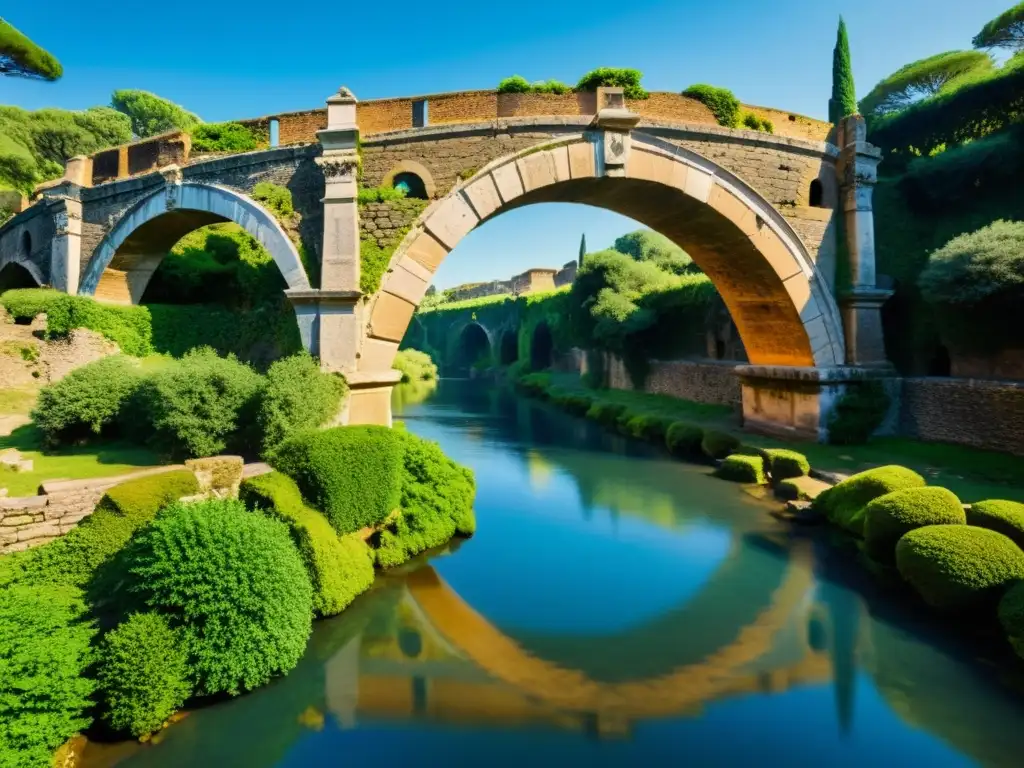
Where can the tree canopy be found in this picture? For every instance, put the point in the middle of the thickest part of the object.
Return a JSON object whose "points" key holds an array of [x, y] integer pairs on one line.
{"points": [[20, 57], [844, 99], [648, 245], [1004, 31], [922, 79], [150, 114]]}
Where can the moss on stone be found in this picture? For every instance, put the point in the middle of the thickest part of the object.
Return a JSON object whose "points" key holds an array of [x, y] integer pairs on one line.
{"points": [[784, 463], [889, 517], [741, 468], [1006, 517], [790, 490], [844, 503]]}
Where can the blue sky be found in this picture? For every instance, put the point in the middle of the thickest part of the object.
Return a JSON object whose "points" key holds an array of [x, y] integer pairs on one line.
{"points": [[227, 61]]}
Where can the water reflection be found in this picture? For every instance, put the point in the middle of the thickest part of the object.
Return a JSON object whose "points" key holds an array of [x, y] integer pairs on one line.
{"points": [[614, 607]]}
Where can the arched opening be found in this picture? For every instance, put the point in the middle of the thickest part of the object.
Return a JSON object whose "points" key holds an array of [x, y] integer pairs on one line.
{"points": [[816, 195], [16, 276], [411, 184], [26, 245], [509, 348], [940, 364], [541, 348], [472, 350]]}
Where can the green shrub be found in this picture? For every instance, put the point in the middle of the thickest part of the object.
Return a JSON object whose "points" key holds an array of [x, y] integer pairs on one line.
{"points": [[783, 463], [556, 87], [73, 559], [151, 114], [684, 440], [1006, 517], [296, 396], [223, 137], [614, 77], [718, 445], [790, 490], [888, 517], [26, 303], [86, 402], [514, 84], [143, 674], [437, 503], [954, 567], [647, 427], [351, 474], [576, 403], [380, 194], [233, 585], [605, 413], [1011, 617], [858, 412], [534, 384], [415, 365], [44, 652], [751, 121], [200, 405], [339, 569], [741, 468], [721, 101], [843, 504], [275, 197]]}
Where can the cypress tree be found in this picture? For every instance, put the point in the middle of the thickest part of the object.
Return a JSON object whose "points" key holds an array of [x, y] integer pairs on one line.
{"points": [[583, 249], [844, 98]]}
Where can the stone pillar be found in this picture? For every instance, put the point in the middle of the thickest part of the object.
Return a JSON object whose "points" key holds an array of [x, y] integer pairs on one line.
{"points": [[615, 122], [66, 246], [78, 170], [861, 301]]}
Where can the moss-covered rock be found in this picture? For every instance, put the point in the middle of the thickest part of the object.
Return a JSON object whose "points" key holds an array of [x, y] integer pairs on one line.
{"points": [[741, 468], [956, 567], [718, 445], [605, 413], [889, 517], [784, 463], [844, 503], [1011, 617], [684, 440], [1006, 517]]}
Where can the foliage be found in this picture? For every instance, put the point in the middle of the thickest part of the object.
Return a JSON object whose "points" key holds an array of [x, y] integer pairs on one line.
{"points": [[199, 405], [415, 365], [519, 84], [844, 95], [151, 114], [296, 396], [791, 490], [721, 101], [224, 137], [614, 77], [684, 440], [20, 57], [858, 412], [742, 469], [73, 559], [436, 503], [888, 517], [232, 584], [1004, 31], [648, 245], [605, 413], [143, 674], [383, 194], [276, 198], [843, 504], [339, 568], [1006, 517], [647, 426], [374, 256], [718, 445], [1011, 617], [44, 652], [85, 403], [784, 464], [755, 123], [576, 403], [957, 567], [921, 79], [351, 474]]}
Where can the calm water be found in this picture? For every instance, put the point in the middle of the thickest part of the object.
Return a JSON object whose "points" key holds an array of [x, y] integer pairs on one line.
{"points": [[615, 607]]}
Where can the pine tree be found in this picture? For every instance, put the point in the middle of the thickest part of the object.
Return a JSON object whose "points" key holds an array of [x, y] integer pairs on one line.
{"points": [[844, 98], [583, 249]]}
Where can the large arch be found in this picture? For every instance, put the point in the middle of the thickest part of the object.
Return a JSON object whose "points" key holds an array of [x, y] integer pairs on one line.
{"points": [[125, 260], [782, 306]]}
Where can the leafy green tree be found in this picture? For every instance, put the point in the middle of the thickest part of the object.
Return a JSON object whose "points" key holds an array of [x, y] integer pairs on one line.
{"points": [[20, 57], [648, 245], [922, 79], [583, 249], [151, 114], [1004, 31], [844, 98]]}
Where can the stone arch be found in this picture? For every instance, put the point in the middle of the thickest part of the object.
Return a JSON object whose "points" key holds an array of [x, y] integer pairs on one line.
{"points": [[416, 169], [782, 305], [508, 347], [19, 273], [468, 343], [127, 257], [542, 347]]}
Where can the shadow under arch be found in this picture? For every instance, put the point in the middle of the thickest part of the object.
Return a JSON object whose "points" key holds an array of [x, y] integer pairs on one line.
{"points": [[19, 274], [783, 307], [125, 260]]}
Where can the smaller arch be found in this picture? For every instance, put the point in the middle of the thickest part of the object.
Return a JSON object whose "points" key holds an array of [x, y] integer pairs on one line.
{"points": [[472, 344], [26, 245], [15, 274], [412, 168], [542, 347], [509, 348], [816, 194]]}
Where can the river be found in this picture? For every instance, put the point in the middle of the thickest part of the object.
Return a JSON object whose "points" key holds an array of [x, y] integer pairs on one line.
{"points": [[615, 607]]}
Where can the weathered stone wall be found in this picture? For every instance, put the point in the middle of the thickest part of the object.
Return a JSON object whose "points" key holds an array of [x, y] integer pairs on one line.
{"points": [[1001, 364], [792, 124], [33, 253], [387, 223], [983, 414], [702, 381]]}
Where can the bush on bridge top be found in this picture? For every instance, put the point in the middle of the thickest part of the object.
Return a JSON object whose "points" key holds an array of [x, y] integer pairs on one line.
{"points": [[224, 137], [614, 77], [519, 84], [362, 494], [721, 101], [843, 503], [888, 517]]}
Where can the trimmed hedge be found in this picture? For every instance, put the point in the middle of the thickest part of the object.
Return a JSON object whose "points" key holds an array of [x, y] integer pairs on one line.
{"points": [[1005, 517], [605, 413], [297, 395], [45, 650], [784, 463], [647, 427], [143, 674], [889, 517], [790, 490], [956, 567], [843, 504], [339, 569], [351, 474], [233, 585], [73, 559], [718, 445], [1011, 617], [576, 403], [684, 440], [741, 468]]}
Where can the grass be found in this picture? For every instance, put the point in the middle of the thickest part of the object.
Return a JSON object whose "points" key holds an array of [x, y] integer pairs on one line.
{"points": [[17, 401]]}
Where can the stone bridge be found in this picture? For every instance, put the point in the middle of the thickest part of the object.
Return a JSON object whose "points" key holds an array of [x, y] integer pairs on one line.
{"points": [[760, 215]]}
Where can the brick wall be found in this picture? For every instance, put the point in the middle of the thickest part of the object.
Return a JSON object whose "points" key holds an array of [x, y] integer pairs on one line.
{"points": [[792, 124], [983, 414], [702, 381], [672, 106]]}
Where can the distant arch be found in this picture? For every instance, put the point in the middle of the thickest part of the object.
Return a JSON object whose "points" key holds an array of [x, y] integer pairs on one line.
{"points": [[509, 352], [542, 347], [410, 170], [472, 344], [125, 260]]}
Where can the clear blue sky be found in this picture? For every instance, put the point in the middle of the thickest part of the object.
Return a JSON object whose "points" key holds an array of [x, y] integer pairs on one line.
{"points": [[227, 61]]}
